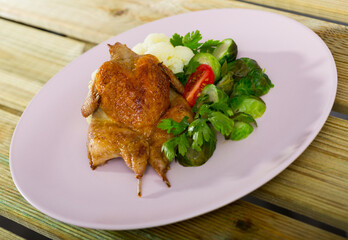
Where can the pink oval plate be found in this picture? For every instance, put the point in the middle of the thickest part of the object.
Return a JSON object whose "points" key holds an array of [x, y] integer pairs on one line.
{"points": [[48, 157]]}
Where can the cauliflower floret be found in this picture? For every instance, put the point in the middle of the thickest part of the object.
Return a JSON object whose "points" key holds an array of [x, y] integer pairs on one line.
{"points": [[155, 38], [139, 49], [175, 64], [163, 51], [183, 53], [159, 45]]}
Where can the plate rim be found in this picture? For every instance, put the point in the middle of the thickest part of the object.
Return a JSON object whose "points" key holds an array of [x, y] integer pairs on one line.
{"points": [[153, 223]]}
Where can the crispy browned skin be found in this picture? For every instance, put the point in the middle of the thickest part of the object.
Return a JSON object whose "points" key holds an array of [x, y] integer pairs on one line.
{"points": [[134, 90], [128, 98], [106, 140]]}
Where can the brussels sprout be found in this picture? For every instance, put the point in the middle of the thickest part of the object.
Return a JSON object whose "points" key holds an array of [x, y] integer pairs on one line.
{"points": [[269, 82], [242, 127], [212, 98], [248, 104], [241, 130], [209, 59], [227, 50], [255, 83], [213, 94], [226, 84], [194, 158], [244, 117], [238, 68], [251, 63]]}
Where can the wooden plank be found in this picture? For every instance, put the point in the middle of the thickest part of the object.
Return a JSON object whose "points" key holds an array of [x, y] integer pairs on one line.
{"points": [[239, 220], [16, 91], [96, 21], [313, 186], [335, 10], [7, 235], [29, 58], [316, 183], [336, 38], [8, 123], [20, 81], [34, 54]]}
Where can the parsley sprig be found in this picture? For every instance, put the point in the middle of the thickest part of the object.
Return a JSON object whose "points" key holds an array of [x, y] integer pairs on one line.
{"points": [[234, 117], [174, 127], [212, 114], [191, 40], [180, 141]]}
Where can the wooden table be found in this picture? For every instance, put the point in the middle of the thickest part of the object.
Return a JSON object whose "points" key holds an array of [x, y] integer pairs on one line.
{"points": [[38, 38]]}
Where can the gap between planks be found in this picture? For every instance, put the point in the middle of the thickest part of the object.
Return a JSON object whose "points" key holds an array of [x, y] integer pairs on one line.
{"points": [[335, 36], [237, 220], [7, 235], [105, 15], [335, 11]]}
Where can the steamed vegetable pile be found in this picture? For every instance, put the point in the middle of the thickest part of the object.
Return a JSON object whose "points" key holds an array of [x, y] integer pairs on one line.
{"points": [[224, 93]]}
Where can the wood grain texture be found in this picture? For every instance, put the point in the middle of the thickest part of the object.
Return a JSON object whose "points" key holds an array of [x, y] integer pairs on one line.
{"points": [[8, 122], [335, 10], [316, 184], [336, 38], [7, 235], [29, 58], [239, 220], [16, 91], [322, 167], [34, 54], [98, 20]]}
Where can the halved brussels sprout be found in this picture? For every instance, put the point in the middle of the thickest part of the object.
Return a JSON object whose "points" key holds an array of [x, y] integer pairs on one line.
{"points": [[244, 117], [212, 98], [252, 105], [226, 83], [241, 130], [238, 68], [194, 158], [255, 83], [251, 63], [209, 59], [227, 50], [214, 94]]}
